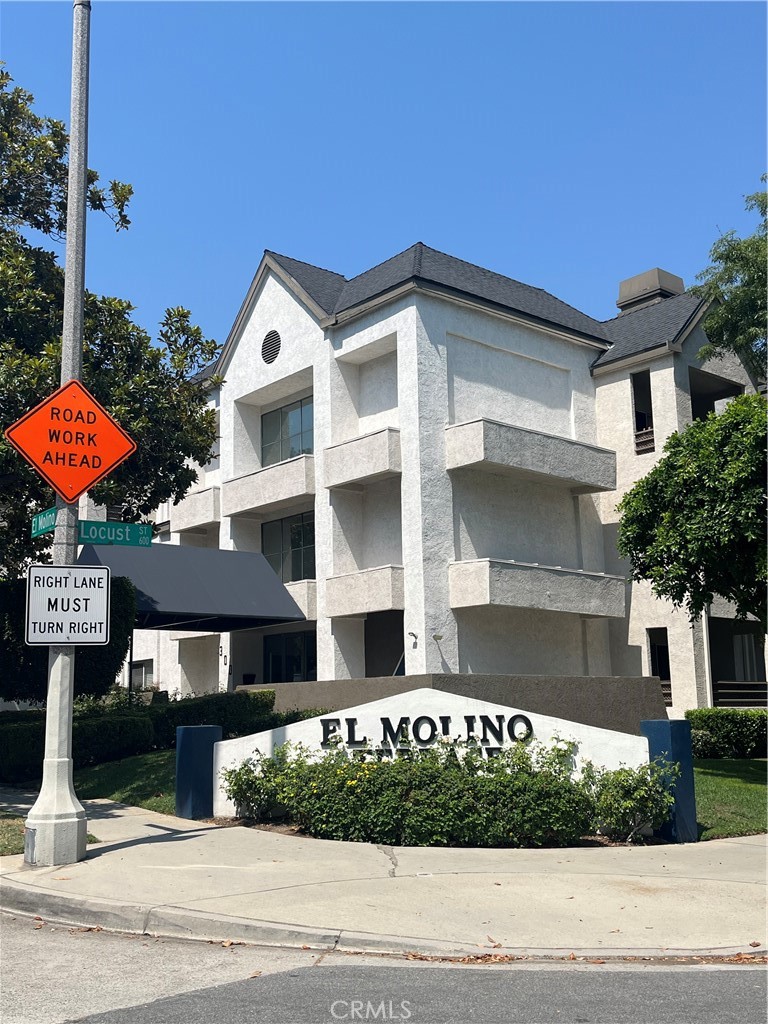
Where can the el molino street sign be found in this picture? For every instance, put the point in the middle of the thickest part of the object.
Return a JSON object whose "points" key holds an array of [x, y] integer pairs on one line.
{"points": [[71, 441]]}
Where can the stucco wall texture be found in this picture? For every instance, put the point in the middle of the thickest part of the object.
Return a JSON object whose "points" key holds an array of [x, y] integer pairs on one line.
{"points": [[458, 452]]}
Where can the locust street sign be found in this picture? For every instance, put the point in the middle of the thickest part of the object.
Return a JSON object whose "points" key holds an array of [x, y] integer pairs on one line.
{"points": [[92, 531], [70, 440], [44, 522], [67, 604]]}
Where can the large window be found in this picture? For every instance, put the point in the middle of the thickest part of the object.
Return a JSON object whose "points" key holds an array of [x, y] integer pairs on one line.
{"points": [[658, 643], [142, 674], [287, 432], [289, 546], [290, 657], [643, 409]]}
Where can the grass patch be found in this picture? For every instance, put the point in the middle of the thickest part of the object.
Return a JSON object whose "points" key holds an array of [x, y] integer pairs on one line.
{"points": [[146, 780], [730, 797]]}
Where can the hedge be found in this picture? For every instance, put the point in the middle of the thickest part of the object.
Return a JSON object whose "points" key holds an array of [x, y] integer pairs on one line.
{"points": [[728, 732], [103, 733], [451, 795], [93, 741], [238, 714]]}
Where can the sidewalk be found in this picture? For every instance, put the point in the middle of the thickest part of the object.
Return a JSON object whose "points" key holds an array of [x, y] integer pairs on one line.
{"points": [[169, 876]]}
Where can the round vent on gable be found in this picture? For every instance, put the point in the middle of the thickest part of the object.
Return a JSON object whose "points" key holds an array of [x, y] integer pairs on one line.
{"points": [[270, 347]]}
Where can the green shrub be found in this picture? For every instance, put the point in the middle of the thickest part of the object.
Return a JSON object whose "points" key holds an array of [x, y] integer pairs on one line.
{"points": [[735, 732], [124, 725], [238, 714], [702, 744], [31, 715], [93, 740], [296, 715], [21, 750], [110, 738], [446, 795], [629, 801]]}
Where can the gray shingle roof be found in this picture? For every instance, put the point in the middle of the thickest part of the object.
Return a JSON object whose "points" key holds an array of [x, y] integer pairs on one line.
{"points": [[336, 294], [419, 262], [628, 334], [649, 327], [324, 286]]}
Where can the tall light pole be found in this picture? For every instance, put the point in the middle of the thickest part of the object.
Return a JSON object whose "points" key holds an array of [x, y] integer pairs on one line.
{"points": [[56, 826]]}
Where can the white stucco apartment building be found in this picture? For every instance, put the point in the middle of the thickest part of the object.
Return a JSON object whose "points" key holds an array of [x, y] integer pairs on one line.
{"points": [[430, 456]]}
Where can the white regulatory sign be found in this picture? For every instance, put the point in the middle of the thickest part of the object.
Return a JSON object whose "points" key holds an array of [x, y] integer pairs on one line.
{"points": [[67, 604]]}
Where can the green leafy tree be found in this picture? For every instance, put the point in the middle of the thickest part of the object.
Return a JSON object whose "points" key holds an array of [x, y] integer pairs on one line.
{"points": [[149, 387], [695, 526], [737, 279]]}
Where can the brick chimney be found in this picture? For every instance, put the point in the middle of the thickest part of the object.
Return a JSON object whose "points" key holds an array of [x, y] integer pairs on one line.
{"points": [[647, 289]]}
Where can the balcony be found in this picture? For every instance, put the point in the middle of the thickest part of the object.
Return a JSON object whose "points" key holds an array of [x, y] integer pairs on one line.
{"points": [[363, 459], [489, 581], [644, 441], [369, 590], [304, 593], [495, 447], [271, 489], [198, 510]]}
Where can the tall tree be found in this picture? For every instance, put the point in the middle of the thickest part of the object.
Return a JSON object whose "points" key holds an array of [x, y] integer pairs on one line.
{"points": [[695, 526], [737, 279], [149, 386]]}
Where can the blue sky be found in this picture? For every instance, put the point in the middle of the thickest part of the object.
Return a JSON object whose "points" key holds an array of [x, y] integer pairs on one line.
{"points": [[568, 145]]}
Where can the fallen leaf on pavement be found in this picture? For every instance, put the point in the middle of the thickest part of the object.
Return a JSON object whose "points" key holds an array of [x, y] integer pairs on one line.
{"points": [[755, 943], [595, 961], [37, 918], [305, 947], [572, 956], [256, 974]]}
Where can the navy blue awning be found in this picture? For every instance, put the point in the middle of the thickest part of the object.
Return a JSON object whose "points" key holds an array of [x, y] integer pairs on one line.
{"points": [[198, 589]]}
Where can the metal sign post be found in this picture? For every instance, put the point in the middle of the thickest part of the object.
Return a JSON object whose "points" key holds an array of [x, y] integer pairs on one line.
{"points": [[56, 826]]}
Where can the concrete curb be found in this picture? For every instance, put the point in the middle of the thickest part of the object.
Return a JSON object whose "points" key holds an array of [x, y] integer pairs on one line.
{"points": [[168, 921]]}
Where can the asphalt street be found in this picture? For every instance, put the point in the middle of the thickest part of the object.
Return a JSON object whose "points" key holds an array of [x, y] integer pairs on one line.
{"points": [[54, 974]]}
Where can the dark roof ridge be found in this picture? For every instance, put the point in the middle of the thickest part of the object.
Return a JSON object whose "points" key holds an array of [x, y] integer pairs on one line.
{"points": [[641, 309], [389, 259], [488, 270], [524, 284], [285, 256]]}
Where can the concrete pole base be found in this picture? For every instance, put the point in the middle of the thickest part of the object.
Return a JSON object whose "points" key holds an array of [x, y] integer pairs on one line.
{"points": [[56, 828]]}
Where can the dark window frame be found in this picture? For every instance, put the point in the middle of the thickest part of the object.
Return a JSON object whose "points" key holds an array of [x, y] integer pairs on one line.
{"points": [[287, 432], [276, 646], [288, 544]]}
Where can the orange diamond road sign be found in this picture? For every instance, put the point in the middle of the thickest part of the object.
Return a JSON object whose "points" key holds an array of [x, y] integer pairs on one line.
{"points": [[71, 440]]}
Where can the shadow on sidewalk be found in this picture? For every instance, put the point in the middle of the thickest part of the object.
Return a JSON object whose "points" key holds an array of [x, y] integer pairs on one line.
{"points": [[169, 835]]}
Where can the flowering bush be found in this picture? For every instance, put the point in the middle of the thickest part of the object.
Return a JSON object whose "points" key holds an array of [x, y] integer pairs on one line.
{"points": [[450, 794]]}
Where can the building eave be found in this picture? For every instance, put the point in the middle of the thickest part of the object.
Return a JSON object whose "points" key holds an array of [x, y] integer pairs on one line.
{"points": [[468, 301], [267, 265]]}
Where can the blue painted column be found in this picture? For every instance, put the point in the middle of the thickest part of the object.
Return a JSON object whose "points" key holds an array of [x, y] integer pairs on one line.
{"points": [[671, 741], [194, 770]]}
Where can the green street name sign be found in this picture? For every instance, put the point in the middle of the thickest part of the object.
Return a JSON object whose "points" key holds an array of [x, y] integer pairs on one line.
{"points": [[92, 531], [44, 522]]}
